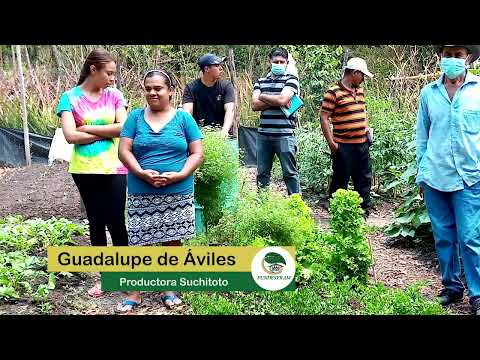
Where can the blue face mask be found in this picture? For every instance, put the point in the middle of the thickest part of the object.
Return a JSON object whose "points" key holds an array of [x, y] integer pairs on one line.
{"points": [[279, 69], [452, 67]]}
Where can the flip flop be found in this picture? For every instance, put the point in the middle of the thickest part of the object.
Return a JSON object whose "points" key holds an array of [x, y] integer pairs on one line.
{"points": [[170, 300], [177, 301], [95, 291], [127, 306]]}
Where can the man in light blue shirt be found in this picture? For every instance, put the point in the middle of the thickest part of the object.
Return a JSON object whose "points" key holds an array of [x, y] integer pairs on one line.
{"points": [[448, 159]]}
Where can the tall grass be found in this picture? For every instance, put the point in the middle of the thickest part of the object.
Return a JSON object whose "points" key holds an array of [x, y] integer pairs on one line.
{"points": [[42, 95], [43, 91]]}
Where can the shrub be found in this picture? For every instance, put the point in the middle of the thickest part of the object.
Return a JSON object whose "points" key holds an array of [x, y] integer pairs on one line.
{"points": [[394, 130], [313, 260], [266, 218], [411, 218], [313, 159], [319, 68], [351, 256], [216, 176]]}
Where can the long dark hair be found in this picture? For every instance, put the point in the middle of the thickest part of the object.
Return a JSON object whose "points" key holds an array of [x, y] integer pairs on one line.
{"points": [[98, 57]]}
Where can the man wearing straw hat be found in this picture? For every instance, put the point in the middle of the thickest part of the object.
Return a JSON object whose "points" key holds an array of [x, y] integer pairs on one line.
{"points": [[344, 105], [448, 159]]}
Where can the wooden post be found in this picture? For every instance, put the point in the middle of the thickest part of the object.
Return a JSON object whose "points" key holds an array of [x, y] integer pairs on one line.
{"points": [[29, 65], [58, 59], [118, 80], [233, 77], [345, 56], [416, 77], [26, 137], [13, 60]]}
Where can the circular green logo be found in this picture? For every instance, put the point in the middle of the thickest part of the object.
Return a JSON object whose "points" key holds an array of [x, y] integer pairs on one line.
{"points": [[273, 263]]}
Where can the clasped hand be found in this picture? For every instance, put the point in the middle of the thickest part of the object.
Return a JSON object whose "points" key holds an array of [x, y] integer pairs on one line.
{"points": [[157, 179]]}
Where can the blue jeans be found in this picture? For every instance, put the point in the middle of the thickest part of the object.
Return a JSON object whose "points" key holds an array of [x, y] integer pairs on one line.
{"points": [[455, 218]]}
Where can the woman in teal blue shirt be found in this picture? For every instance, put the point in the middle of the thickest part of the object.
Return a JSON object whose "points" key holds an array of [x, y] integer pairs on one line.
{"points": [[161, 147]]}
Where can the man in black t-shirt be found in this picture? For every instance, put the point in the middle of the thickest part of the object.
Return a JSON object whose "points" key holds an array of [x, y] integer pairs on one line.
{"points": [[210, 99]]}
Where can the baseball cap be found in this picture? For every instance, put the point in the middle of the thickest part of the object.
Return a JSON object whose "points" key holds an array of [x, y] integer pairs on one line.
{"points": [[358, 64], [209, 59]]}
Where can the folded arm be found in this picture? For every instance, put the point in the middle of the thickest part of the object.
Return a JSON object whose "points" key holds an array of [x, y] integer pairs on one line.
{"points": [[72, 135], [257, 104], [278, 100], [107, 131]]}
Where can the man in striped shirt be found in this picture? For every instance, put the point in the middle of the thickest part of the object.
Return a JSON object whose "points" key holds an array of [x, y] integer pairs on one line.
{"points": [[275, 135], [344, 105]]}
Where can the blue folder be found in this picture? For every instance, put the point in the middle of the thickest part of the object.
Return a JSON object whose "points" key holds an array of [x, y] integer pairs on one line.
{"points": [[296, 104]]}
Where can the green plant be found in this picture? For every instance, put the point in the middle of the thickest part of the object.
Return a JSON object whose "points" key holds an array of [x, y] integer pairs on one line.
{"points": [[216, 176], [46, 308], [212, 304], [271, 219], [313, 259], [266, 217], [319, 297], [20, 274], [313, 158], [377, 300], [319, 67], [23, 274], [393, 148], [19, 234], [351, 256], [411, 218], [198, 240]]}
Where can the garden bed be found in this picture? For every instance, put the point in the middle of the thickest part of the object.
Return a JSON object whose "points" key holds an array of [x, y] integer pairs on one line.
{"points": [[46, 192]]}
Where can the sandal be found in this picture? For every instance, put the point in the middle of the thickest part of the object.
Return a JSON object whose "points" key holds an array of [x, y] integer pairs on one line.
{"points": [[170, 300], [127, 306], [95, 291]]}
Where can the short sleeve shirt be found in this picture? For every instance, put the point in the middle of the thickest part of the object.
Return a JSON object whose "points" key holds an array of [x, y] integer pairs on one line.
{"points": [[163, 151], [208, 102], [273, 121], [348, 114], [101, 156]]}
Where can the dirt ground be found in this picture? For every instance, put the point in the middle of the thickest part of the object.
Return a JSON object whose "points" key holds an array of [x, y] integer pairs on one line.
{"points": [[42, 191], [39, 191]]}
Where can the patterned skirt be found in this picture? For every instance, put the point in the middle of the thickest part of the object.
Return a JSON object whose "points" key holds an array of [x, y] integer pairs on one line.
{"points": [[154, 219]]}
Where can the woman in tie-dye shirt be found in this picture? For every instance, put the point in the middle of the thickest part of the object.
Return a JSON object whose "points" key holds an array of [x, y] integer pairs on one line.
{"points": [[92, 116]]}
